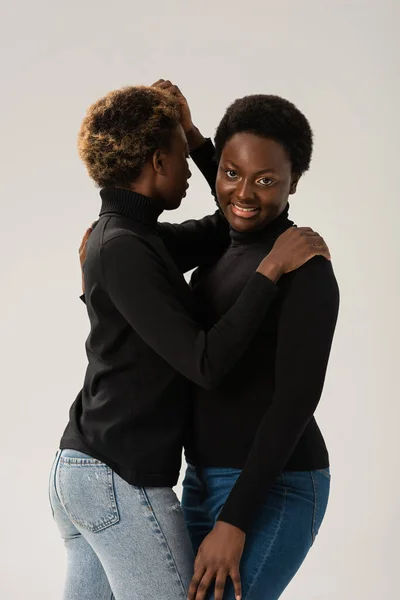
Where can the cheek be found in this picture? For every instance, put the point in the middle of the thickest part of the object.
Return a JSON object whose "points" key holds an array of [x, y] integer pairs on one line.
{"points": [[180, 173], [222, 190], [273, 197]]}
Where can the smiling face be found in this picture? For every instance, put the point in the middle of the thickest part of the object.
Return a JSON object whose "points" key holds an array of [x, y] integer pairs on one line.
{"points": [[254, 181]]}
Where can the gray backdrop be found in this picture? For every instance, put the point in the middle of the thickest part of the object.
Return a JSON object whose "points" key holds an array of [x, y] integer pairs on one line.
{"points": [[339, 62]]}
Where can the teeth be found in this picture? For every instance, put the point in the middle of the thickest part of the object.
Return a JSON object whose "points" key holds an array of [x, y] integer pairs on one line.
{"points": [[244, 209]]}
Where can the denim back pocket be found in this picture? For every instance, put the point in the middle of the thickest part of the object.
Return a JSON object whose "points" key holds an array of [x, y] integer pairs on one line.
{"points": [[86, 490]]}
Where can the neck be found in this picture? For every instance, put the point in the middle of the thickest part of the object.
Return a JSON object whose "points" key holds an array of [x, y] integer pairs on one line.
{"points": [[143, 188], [145, 184]]}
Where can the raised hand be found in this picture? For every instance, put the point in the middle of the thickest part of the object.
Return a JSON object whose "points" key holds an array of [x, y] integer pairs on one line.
{"points": [[193, 135]]}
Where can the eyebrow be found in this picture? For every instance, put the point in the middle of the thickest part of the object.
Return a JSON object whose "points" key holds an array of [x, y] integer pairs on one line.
{"points": [[266, 170]]}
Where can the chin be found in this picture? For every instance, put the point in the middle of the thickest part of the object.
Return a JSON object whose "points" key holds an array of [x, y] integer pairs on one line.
{"points": [[257, 223], [243, 225], [174, 204]]}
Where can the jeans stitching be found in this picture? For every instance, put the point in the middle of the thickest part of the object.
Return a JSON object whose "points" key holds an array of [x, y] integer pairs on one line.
{"points": [[82, 462], [111, 492], [52, 481], [165, 544], [324, 472], [55, 474], [314, 485], [266, 556]]}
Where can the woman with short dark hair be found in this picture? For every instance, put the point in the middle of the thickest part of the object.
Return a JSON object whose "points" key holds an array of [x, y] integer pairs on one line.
{"points": [[258, 479]]}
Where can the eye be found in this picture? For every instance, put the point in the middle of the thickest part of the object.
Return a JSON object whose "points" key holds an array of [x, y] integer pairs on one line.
{"points": [[230, 173], [265, 181]]}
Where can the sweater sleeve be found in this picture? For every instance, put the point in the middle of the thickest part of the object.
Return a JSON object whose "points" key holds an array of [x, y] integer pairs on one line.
{"points": [[305, 333], [204, 158], [197, 243], [138, 283]]}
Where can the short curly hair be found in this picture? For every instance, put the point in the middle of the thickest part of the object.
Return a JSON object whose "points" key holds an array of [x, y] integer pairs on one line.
{"points": [[270, 117], [121, 131]]}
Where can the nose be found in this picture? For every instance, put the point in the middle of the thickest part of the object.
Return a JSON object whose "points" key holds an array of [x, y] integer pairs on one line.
{"points": [[189, 173], [243, 191]]}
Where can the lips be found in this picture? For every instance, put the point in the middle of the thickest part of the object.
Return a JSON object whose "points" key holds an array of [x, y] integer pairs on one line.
{"points": [[244, 211]]}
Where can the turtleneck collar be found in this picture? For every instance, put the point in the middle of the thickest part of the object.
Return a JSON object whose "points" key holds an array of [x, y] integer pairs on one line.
{"points": [[278, 225], [130, 204]]}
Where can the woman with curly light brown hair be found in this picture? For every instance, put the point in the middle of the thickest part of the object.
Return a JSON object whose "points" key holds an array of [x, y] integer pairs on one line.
{"points": [[111, 482]]}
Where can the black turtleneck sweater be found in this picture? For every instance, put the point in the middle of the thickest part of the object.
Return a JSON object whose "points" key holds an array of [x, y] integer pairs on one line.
{"points": [[260, 417], [145, 340]]}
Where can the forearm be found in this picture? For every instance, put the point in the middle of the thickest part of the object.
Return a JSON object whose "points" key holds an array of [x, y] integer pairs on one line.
{"points": [[274, 443], [196, 242], [194, 138], [147, 291], [204, 158]]}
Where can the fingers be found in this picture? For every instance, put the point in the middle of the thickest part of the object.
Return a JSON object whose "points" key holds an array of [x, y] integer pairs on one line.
{"points": [[323, 251], [165, 84], [195, 582], [313, 236], [309, 234], [220, 584], [85, 239], [320, 249], [173, 89], [318, 246], [162, 83], [202, 580], [86, 236], [237, 583], [204, 584], [304, 229]]}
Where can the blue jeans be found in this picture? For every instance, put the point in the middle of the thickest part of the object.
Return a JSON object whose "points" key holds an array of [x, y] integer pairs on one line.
{"points": [[281, 534], [122, 541]]}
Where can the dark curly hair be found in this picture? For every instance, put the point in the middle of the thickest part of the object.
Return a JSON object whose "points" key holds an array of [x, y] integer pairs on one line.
{"points": [[270, 117], [122, 130]]}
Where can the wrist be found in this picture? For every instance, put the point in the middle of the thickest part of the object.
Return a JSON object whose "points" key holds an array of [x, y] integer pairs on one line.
{"points": [[271, 268], [228, 528], [194, 137]]}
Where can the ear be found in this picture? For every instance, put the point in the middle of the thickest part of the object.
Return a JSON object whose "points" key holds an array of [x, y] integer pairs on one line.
{"points": [[293, 185], [158, 162]]}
